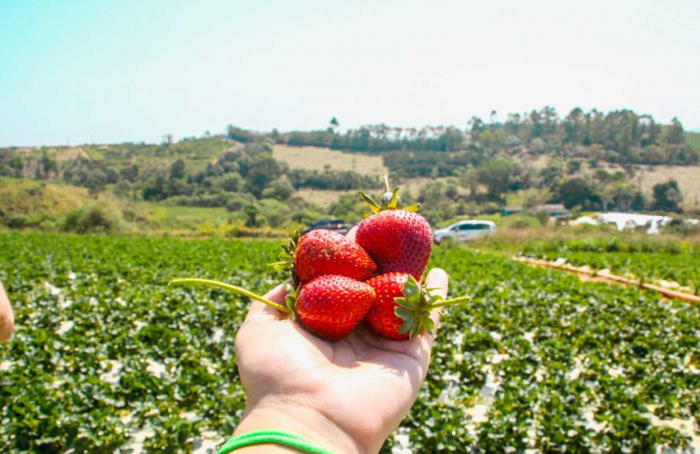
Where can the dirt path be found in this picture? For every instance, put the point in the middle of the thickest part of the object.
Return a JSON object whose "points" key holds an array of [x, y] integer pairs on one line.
{"points": [[590, 275]]}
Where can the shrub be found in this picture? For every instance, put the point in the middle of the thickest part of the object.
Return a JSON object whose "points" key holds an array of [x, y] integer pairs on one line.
{"points": [[280, 189], [276, 213], [520, 222], [91, 220], [543, 218], [238, 201], [18, 221]]}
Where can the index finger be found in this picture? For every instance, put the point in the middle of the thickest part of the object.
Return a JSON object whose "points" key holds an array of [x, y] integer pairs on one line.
{"points": [[351, 234], [261, 311]]}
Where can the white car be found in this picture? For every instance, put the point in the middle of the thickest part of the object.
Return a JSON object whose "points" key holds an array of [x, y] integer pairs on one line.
{"points": [[465, 231]]}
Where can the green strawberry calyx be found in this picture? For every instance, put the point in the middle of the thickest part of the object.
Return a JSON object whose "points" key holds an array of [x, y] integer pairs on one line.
{"points": [[415, 305], [286, 258], [390, 201], [292, 295], [287, 309]]}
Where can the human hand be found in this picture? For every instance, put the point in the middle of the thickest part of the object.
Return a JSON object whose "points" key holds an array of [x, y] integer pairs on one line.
{"points": [[7, 318], [346, 396]]}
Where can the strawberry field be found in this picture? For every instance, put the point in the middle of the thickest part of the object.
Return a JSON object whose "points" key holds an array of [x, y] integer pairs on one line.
{"points": [[106, 358]]}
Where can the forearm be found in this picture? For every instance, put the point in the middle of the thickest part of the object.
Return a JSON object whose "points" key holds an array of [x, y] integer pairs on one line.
{"points": [[7, 319], [296, 420]]}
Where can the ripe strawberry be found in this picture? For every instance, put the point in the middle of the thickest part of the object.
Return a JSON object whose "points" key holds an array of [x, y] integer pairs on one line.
{"points": [[331, 306], [399, 240], [402, 308], [382, 317], [322, 252]]}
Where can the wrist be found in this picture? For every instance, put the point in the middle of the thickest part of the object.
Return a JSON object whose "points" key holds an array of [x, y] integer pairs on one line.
{"points": [[299, 420]]}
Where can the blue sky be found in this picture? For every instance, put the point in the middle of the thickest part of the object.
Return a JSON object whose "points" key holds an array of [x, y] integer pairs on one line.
{"points": [[75, 71]]}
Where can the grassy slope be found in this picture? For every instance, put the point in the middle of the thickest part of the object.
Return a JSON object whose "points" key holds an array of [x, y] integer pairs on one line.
{"points": [[196, 153], [28, 197], [315, 158], [37, 198], [688, 178], [174, 217]]}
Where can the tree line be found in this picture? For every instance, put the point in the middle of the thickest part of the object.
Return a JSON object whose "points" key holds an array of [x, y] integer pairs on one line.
{"points": [[620, 136]]}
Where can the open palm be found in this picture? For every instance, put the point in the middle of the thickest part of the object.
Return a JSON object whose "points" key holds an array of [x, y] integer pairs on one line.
{"points": [[361, 386]]}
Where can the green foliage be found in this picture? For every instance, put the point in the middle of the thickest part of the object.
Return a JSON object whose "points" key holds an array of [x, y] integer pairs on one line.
{"points": [[103, 350], [236, 202], [576, 192], [645, 244], [542, 217], [177, 170], [438, 201], [198, 171], [667, 196], [275, 213], [260, 170], [672, 261], [90, 220], [554, 360], [693, 139], [620, 136], [520, 221], [529, 198], [252, 217], [280, 189], [496, 175], [240, 134], [673, 134], [348, 207], [307, 215], [17, 221], [230, 182]]}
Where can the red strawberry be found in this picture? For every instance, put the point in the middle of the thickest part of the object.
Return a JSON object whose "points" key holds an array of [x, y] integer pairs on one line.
{"points": [[402, 308], [399, 240], [382, 317], [322, 252], [329, 306], [332, 306]]}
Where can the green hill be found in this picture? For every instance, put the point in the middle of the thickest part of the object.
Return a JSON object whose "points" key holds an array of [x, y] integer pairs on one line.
{"points": [[274, 180], [35, 198]]}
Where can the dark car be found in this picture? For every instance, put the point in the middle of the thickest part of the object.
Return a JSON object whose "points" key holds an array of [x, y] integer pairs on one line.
{"points": [[336, 225]]}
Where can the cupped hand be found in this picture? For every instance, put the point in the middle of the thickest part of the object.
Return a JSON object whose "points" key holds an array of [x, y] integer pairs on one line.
{"points": [[7, 319], [347, 396]]}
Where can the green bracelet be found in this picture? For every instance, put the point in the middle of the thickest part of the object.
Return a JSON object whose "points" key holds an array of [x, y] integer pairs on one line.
{"points": [[271, 436]]}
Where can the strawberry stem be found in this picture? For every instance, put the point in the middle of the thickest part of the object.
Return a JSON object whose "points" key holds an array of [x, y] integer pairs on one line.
{"points": [[240, 290], [450, 302], [386, 183], [284, 263]]}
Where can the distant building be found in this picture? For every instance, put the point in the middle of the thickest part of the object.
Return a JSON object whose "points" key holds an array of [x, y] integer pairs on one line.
{"points": [[651, 224], [555, 210], [507, 211], [633, 220]]}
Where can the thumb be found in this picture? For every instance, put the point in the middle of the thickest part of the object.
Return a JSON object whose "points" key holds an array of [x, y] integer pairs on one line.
{"points": [[437, 279]]}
